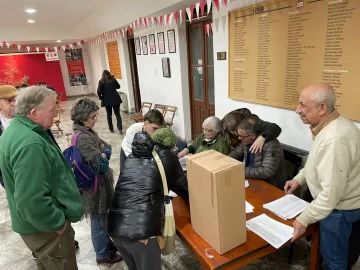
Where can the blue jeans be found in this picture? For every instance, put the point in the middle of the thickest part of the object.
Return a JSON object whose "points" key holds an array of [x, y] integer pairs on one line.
{"points": [[100, 239], [335, 232]]}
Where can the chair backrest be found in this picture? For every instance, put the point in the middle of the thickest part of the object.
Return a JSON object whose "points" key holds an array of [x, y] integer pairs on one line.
{"points": [[161, 108], [169, 115], [145, 105]]}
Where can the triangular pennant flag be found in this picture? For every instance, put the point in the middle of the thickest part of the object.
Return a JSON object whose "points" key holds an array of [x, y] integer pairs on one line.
{"points": [[46, 49], [67, 47], [211, 28], [74, 44], [82, 42], [226, 2], [8, 45], [167, 16], [28, 49], [192, 8], [202, 7], [59, 48], [161, 20], [33, 49], [188, 11], [197, 7], [56, 49], [37, 49], [155, 20], [23, 48], [217, 4], [71, 46], [43, 49], [14, 46], [176, 16], [208, 6], [79, 43], [145, 22], [171, 18], [181, 16], [19, 47], [123, 32], [148, 21], [207, 29], [3, 44], [64, 47]]}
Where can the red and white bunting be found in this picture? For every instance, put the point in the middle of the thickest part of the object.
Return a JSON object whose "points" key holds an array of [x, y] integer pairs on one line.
{"points": [[46, 49], [211, 27], [161, 20], [8, 45], [166, 19], [79, 43], [19, 47], [71, 46], [64, 48], [202, 7], [197, 7], [208, 6], [192, 8], [207, 29], [181, 16], [176, 17], [56, 49], [226, 2], [217, 4], [148, 21], [37, 49], [28, 49]]}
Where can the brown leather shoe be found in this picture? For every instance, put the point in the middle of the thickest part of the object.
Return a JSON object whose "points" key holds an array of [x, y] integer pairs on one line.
{"points": [[120, 132], [112, 259]]}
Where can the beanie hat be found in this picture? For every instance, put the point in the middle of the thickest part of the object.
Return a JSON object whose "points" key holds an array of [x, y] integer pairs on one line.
{"points": [[165, 137], [8, 91]]}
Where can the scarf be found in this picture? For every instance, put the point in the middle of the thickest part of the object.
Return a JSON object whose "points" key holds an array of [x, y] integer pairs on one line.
{"points": [[89, 145]]}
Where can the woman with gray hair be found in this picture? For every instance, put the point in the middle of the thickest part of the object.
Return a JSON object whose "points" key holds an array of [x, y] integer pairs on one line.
{"points": [[210, 139], [96, 154]]}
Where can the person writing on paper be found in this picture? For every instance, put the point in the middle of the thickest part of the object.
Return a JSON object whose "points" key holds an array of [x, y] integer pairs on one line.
{"points": [[210, 139], [269, 164], [332, 173], [267, 131], [136, 216]]}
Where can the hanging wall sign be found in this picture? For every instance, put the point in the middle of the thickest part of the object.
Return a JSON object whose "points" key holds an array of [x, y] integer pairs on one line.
{"points": [[52, 56]]}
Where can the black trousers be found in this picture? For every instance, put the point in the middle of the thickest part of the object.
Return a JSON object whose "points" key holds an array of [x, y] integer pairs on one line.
{"points": [[123, 157], [109, 110], [139, 256]]}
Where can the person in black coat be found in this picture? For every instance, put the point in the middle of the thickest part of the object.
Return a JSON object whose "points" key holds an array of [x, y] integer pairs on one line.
{"points": [[110, 99], [136, 217]]}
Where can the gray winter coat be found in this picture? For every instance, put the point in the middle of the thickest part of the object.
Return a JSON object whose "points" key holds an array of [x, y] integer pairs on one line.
{"points": [[269, 164]]}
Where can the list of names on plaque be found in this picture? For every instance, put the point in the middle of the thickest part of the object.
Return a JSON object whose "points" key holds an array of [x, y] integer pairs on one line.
{"points": [[276, 49]]}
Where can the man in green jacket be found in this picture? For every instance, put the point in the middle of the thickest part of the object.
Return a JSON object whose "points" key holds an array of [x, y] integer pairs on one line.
{"points": [[41, 189]]}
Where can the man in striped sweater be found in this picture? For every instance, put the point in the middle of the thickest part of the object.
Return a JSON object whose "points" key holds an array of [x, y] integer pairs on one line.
{"points": [[332, 173]]}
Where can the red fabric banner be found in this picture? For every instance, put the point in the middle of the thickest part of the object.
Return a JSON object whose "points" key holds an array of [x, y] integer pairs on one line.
{"points": [[217, 4]]}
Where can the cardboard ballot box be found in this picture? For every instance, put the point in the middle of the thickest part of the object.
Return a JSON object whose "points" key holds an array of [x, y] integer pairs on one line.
{"points": [[217, 199]]}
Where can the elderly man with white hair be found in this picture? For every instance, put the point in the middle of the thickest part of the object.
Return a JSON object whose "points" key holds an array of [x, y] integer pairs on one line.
{"points": [[210, 139], [332, 173], [41, 190]]}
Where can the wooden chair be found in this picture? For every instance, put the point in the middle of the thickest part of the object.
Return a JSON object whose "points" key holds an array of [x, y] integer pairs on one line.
{"points": [[169, 115], [161, 108], [140, 117], [57, 120]]}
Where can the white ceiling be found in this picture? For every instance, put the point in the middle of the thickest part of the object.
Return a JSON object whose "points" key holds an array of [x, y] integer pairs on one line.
{"points": [[74, 19]]}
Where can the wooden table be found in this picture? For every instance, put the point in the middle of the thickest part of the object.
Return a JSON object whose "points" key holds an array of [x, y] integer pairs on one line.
{"points": [[257, 194]]}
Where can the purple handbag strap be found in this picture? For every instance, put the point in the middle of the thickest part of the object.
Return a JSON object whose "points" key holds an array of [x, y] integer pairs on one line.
{"points": [[74, 142]]}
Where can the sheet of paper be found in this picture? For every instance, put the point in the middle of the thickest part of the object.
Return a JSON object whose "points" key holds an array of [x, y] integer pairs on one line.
{"points": [[287, 207], [246, 183], [172, 194], [272, 231], [183, 162], [248, 207]]}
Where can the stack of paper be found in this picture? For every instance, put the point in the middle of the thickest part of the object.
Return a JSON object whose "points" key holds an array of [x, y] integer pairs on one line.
{"points": [[249, 208], [183, 162], [272, 231], [287, 207]]}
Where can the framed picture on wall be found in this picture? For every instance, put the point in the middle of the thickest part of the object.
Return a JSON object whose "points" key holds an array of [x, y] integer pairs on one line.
{"points": [[161, 42], [152, 44], [166, 67], [137, 46], [171, 41], [144, 45]]}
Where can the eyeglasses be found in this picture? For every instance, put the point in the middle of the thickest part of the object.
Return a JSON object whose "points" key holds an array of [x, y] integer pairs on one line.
{"points": [[9, 100], [244, 137], [94, 118], [207, 131]]}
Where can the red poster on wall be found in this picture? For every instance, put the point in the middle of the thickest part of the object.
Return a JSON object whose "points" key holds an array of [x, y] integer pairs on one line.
{"points": [[76, 68]]}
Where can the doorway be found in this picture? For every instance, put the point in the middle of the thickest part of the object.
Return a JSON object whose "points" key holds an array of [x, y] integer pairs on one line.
{"points": [[201, 74], [134, 74]]}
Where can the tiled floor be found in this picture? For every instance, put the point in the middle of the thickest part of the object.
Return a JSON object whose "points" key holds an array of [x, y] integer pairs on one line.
{"points": [[15, 255]]}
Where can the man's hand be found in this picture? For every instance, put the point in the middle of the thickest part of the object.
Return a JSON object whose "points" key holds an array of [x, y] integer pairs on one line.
{"points": [[183, 153], [103, 155], [290, 186], [62, 230], [257, 145], [299, 230]]}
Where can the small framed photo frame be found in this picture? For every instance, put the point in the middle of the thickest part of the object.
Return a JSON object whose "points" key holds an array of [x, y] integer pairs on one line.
{"points": [[165, 61], [171, 41], [152, 44], [137, 46], [161, 42], [144, 45]]}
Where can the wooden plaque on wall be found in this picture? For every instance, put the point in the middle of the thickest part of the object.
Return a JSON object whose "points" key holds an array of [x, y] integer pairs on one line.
{"points": [[114, 59], [276, 49]]}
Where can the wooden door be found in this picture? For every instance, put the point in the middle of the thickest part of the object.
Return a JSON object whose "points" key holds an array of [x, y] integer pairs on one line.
{"points": [[201, 75], [134, 74]]}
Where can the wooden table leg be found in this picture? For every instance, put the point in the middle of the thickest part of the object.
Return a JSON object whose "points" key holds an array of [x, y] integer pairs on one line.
{"points": [[315, 251]]}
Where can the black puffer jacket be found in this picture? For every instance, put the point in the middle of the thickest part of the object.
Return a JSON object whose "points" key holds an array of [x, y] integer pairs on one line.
{"points": [[137, 210]]}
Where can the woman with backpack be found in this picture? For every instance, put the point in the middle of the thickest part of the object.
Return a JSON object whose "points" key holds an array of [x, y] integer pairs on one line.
{"points": [[136, 217], [110, 99], [95, 153]]}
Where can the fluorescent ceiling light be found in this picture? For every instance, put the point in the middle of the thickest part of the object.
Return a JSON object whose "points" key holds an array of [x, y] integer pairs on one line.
{"points": [[58, 41], [30, 10], [31, 21]]}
